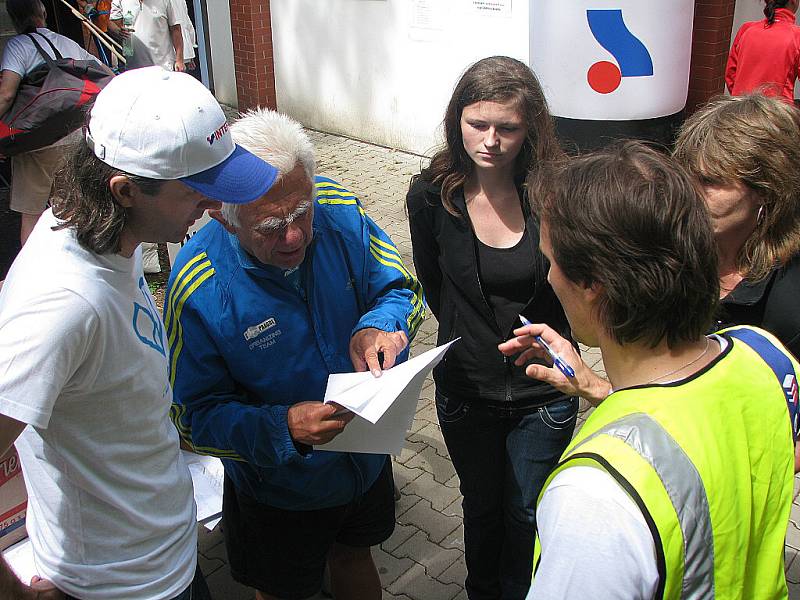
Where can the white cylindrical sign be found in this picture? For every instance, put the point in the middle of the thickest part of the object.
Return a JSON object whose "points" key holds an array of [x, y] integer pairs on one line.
{"points": [[612, 59]]}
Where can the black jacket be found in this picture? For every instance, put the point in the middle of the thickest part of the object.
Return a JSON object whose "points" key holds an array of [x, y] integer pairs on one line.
{"points": [[445, 257], [771, 303]]}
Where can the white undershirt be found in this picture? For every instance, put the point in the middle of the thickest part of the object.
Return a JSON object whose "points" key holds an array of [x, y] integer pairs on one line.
{"points": [[595, 542]]}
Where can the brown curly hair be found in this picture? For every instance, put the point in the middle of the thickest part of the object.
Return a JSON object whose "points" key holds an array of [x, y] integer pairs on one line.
{"points": [[630, 219], [754, 139]]}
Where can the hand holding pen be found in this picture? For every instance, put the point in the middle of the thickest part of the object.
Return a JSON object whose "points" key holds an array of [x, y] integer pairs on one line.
{"points": [[569, 374], [558, 362]]}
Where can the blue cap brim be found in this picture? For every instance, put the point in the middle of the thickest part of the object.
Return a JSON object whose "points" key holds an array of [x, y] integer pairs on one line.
{"points": [[239, 179]]}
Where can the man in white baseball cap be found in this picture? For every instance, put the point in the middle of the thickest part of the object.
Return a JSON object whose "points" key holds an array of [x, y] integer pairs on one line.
{"points": [[84, 386]]}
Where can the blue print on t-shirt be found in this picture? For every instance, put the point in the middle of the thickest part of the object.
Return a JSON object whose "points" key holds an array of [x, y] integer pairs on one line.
{"points": [[155, 339]]}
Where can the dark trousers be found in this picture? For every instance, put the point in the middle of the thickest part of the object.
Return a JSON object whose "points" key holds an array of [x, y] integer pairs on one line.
{"points": [[502, 462], [197, 590]]}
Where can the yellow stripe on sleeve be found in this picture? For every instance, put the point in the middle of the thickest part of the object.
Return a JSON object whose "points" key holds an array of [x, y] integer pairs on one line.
{"points": [[175, 296], [332, 185], [178, 327], [177, 282], [390, 259], [336, 193], [176, 413], [341, 201], [390, 247], [416, 314], [208, 450]]}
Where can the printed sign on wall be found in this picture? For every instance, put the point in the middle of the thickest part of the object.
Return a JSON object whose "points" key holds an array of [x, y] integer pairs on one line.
{"points": [[612, 59], [498, 8]]}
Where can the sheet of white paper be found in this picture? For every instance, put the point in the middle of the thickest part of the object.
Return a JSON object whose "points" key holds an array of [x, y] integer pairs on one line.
{"points": [[384, 406], [207, 477], [497, 8]]}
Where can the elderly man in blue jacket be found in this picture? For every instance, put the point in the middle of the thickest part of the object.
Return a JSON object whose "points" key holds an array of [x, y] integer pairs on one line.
{"points": [[262, 305]]}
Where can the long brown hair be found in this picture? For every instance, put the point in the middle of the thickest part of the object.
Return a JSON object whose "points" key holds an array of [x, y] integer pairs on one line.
{"points": [[83, 201], [754, 139], [493, 79]]}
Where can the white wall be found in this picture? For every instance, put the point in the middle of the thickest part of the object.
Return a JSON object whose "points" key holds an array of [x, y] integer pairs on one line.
{"points": [[746, 10], [383, 70], [221, 50]]}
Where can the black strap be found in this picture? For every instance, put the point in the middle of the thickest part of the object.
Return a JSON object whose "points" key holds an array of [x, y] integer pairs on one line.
{"points": [[47, 58]]}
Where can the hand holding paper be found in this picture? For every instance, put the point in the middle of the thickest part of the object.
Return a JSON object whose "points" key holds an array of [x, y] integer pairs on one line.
{"points": [[366, 344], [313, 423], [385, 406]]}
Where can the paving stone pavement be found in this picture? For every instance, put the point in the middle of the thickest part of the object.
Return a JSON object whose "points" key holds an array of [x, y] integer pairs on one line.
{"points": [[424, 558]]}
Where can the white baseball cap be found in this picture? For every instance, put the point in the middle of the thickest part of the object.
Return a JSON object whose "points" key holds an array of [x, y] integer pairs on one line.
{"points": [[166, 125]]}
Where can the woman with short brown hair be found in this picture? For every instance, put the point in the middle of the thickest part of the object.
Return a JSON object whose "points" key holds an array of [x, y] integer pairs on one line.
{"points": [[745, 151]]}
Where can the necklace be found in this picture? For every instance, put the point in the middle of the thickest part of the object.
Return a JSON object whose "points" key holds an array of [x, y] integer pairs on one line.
{"points": [[691, 362]]}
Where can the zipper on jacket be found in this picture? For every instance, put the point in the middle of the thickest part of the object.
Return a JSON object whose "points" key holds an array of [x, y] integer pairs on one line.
{"points": [[509, 397], [506, 377], [480, 285], [308, 286]]}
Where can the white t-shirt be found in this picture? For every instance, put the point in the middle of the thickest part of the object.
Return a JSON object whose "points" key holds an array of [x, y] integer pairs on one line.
{"points": [[83, 361], [595, 542], [22, 57], [152, 41], [187, 30]]}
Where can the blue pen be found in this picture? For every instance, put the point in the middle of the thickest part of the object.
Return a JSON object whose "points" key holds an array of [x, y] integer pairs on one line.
{"points": [[559, 362]]}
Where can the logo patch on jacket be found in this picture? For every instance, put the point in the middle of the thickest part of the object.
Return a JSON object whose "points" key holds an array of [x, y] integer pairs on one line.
{"points": [[256, 330]]}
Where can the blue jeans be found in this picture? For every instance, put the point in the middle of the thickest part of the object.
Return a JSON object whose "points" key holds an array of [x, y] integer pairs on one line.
{"points": [[502, 462], [197, 590]]}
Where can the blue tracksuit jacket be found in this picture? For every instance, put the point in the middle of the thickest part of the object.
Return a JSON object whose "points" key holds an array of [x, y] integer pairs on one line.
{"points": [[245, 345]]}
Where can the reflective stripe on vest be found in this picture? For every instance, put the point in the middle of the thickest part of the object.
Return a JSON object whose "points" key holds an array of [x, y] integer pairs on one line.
{"points": [[684, 488]]}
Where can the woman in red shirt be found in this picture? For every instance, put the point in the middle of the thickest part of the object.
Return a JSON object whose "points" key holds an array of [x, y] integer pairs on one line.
{"points": [[766, 54]]}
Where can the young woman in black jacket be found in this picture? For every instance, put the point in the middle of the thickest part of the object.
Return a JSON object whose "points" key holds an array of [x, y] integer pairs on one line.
{"points": [[476, 251]]}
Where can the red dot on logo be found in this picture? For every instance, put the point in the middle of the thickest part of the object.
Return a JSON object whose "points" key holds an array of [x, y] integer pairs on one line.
{"points": [[604, 77]]}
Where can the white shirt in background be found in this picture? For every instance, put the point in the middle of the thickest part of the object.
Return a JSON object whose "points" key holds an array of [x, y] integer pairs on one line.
{"points": [[152, 41]]}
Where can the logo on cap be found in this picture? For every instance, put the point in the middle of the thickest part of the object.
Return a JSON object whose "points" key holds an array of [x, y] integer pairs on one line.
{"points": [[217, 134]]}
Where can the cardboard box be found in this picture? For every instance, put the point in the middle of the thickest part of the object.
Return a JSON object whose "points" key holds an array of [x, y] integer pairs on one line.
{"points": [[13, 500]]}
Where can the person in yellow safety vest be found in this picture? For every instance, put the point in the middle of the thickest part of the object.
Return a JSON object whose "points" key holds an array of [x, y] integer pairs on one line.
{"points": [[679, 484]]}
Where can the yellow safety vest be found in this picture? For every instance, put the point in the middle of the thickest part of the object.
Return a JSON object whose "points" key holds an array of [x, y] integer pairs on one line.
{"points": [[709, 461]]}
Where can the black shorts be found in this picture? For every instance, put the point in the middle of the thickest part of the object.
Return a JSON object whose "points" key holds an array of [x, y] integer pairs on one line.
{"points": [[283, 552]]}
